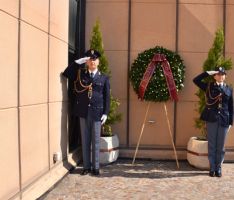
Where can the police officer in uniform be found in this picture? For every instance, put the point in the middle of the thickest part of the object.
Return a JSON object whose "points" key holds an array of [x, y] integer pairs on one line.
{"points": [[218, 114], [92, 103]]}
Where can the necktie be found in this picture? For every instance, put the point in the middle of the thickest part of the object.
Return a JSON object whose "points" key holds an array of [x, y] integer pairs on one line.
{"points": [[91, 75]]}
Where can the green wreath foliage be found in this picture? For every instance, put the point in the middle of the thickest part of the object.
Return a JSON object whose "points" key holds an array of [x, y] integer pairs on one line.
{"points": [[157, 88]]}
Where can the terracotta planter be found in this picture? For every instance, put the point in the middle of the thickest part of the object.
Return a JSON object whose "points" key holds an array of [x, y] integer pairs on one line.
{"points": [[197, 153], [109, 149]]}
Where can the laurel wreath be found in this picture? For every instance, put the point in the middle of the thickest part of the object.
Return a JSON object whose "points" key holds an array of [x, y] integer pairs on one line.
{"points": [[157, 90]]}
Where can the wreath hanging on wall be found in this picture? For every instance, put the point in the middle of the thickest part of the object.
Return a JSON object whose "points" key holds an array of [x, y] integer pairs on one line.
{"points": [[158, 86]]}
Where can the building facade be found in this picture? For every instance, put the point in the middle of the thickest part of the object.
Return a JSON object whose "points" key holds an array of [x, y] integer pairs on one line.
{"points": [[185, 26], [39, 38]]}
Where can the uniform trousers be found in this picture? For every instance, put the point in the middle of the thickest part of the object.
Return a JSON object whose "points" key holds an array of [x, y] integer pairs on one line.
{"points": [[90, 136], [216, 135]]}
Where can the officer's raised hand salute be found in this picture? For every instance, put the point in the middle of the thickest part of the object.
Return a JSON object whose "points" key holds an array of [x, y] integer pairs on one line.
{"points": [[212, 72], [218, 115], [82, 60], [91, 106]]}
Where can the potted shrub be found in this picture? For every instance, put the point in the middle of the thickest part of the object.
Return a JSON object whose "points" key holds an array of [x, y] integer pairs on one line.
{"points": [[197, 148], [109, 141]]}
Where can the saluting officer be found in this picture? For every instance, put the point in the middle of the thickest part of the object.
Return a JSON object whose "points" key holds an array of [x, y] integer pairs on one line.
{"points": [[92, 103], [218, 114]]}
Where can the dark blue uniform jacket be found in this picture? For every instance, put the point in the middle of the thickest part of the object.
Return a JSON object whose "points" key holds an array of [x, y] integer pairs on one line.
{"points": [[99, 103], [222, 109]]}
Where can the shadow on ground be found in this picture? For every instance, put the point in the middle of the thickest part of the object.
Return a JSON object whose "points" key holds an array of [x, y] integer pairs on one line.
{"points": [[147, 169]]}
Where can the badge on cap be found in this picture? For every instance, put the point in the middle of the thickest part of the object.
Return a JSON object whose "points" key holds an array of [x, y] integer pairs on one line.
{"points": [[92, 53]]}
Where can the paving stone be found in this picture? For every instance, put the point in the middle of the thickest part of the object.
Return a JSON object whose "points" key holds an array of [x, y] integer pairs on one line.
{"points": [[145, 180]]}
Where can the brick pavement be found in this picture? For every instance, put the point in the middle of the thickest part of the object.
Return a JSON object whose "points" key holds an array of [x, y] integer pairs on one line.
{"points": [[159, 180]]}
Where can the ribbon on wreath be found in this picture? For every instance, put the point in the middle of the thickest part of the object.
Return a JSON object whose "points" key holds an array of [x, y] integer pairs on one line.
{"points": [[167, 73]]}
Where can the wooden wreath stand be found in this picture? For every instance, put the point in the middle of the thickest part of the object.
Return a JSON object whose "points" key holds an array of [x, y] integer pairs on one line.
{"points": [[170, 133], [158, 58]]}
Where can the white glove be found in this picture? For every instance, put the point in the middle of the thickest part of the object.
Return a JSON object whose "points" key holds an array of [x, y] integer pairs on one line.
{"points": [[82, 60], [212, 72], [103, 119]]}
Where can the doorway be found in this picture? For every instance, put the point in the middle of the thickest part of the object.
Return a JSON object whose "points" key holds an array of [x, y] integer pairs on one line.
{"points": [[76, 47]]}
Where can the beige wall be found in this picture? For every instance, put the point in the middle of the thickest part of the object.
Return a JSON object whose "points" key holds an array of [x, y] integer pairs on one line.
{"points": [[153, 22], [33, 124]]}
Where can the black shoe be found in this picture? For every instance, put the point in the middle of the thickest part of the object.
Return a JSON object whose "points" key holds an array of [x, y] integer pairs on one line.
{"points": [[95, 172], [211, 173], [85, 171], [218, 173]]}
